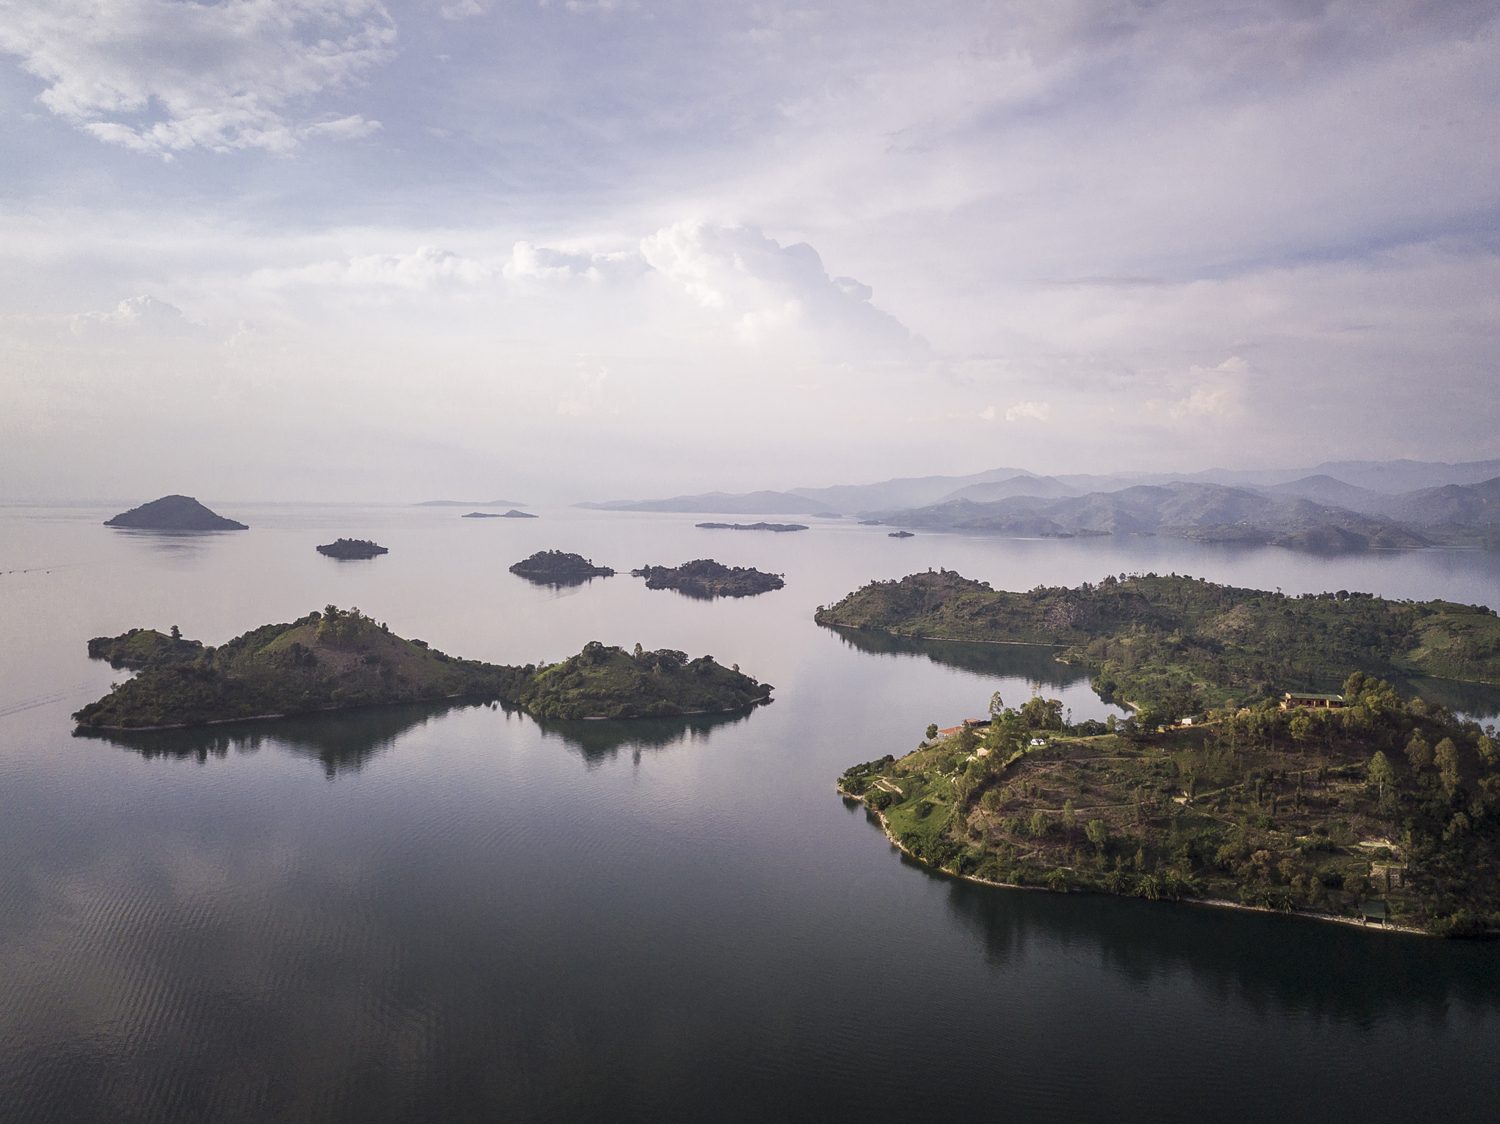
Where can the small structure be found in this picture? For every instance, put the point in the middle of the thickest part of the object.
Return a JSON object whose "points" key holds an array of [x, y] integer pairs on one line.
{"points": [[966, 724], [1373, 911], [1037, 742], [1312, 701]]}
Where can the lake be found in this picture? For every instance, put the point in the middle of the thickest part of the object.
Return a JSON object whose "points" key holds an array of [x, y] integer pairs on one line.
{"points": [[455, 913]]}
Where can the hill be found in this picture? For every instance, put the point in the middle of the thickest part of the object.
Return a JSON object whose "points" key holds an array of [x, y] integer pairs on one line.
{"points": [[341, 659], [1175, 644], [720, 503], [603, 682], [1385, 809], [174, 513], [1043, 487], [352, 549]]}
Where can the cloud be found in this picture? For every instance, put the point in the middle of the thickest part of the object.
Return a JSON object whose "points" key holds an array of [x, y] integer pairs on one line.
{"points": [[142, 314], [424, 268], [461, 10], [529, 261], [764, 288], [1027, 411], [165, 76], [1212, 392]]}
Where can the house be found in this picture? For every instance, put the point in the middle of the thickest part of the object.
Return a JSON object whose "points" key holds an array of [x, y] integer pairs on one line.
{"points": [[1036, 742], [967, 724], [1315, 702]]}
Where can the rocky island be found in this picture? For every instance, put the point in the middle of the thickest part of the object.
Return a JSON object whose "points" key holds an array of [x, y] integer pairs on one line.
{"points": [[511, 514], [340, 659], [899, 535], [345, 549], [173, 513], [780, 528], [558, 567], [706, 578]]}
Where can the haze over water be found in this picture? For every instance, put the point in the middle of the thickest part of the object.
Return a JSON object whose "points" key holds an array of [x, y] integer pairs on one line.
{"points": [[458, 913]]}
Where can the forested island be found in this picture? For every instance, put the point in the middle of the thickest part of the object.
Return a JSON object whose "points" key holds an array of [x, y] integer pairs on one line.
{"points": [[174, 513], [707, 578], [1380, 810], [1230, 780], [340, 658], [345, 549], [1173, 645], [559, 567], [779, 528]]}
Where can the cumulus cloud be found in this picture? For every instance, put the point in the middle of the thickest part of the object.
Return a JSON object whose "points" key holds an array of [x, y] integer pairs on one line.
{"points": [[142, 314], [1028, 411], [164, 76], [1211, 392], [764, 288], [529, 261]]}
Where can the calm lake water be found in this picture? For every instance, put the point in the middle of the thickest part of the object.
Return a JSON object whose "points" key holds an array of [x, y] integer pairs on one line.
{"points": [[451, 913]]}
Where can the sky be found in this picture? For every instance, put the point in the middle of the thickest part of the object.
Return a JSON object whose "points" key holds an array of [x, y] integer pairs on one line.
{"points": [[556, 250]]}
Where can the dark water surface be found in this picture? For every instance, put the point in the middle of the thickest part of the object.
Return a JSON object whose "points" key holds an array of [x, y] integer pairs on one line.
{"points": [[455, 913]]}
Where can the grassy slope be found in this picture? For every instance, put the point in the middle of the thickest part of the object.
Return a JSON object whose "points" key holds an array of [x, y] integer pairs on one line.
{"points": [[1239, 810]]}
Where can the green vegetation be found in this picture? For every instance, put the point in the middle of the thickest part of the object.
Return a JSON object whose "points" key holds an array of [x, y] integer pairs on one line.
{"points": [[1387, 805], [558, 567], [352, 548], [707, 578], [1174, 645], [602, 682], [339, 659]]}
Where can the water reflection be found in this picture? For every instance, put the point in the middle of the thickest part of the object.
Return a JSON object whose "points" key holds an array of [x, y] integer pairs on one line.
{"points": [[600, 741], [555, 582], [1477, 701], [1292, 965], [1036, 663], [341, 742]]}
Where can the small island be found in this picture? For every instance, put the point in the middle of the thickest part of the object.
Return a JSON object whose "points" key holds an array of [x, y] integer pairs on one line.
{"points": [[340, 659], [706, 578], [482, 515], [347, 549], [604, 682], [558, 567], [779, 528], [173, 513], [900, 535]]}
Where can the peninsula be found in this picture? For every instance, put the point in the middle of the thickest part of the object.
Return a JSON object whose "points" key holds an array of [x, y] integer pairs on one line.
{"points": [[340, 659], [1174, 645], [558, 567], [778, 527], [707, 578], [345, 549], [1373, 809], [173, 513]]}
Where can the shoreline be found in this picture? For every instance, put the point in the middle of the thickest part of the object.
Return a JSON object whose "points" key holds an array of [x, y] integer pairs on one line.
{"points": [[1212, 903]]}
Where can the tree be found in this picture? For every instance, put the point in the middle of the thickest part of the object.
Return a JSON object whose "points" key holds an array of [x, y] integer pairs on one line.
{"points": [[997, 705], [1038, 823], [1069, 816], [1446, 757], [1379, 773], [1097, 832], [1418, 752], [931, 730], [1486, 748], [176, 633]]}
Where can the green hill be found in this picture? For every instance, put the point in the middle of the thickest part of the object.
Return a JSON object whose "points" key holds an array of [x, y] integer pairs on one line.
{"points": [[1181, 644], [338, 659]]}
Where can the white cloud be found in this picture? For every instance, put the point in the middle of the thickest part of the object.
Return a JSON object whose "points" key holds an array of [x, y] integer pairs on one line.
{"points": [[424, 268], [164, 76], [462, 10], [139, 314], [764, 288], [1028, 411], [586, 397]]}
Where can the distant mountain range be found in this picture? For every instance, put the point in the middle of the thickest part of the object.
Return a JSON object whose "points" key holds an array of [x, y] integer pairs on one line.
{"points": [[1341, 505], [471, 503]]}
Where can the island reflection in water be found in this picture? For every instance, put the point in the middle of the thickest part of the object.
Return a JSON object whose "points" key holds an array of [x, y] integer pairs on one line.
{"points": [[598, 741], [342, 741]]}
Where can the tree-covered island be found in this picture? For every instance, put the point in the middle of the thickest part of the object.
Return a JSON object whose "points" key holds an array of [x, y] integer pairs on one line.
{"points": [[1361, 806], [346, 549], [340, 658], [559, 567], [707, 578], [778, 528]]}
